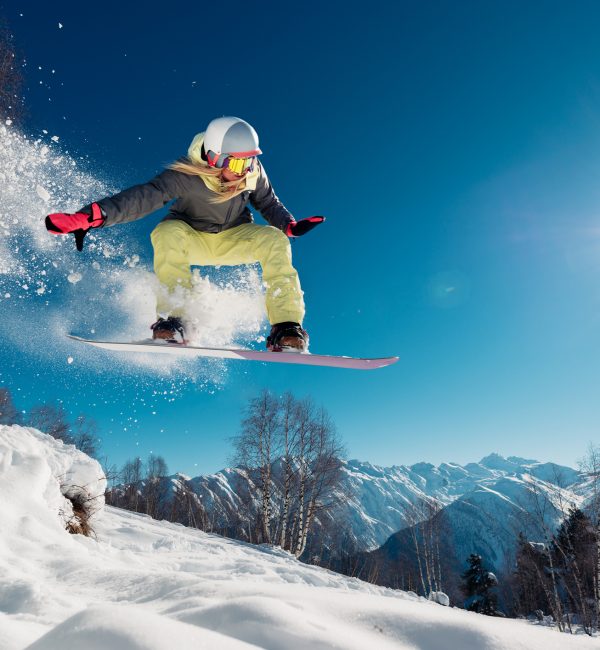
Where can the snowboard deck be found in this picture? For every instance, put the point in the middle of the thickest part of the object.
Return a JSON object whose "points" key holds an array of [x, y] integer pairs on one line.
{"points": [[191, 351]]}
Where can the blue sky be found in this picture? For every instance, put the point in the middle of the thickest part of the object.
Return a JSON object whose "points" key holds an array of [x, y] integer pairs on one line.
{"points": [[453, 147]]}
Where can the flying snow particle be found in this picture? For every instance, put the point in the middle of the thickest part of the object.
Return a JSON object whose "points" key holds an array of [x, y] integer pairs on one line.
{"points": [[60, 26], [69, 360], [74, 278], [7, 295], [55, 138], [8, 122], [43, 193]]}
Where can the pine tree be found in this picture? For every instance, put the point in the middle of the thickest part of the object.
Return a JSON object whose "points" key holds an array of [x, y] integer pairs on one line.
{"points": [[477, 587]]}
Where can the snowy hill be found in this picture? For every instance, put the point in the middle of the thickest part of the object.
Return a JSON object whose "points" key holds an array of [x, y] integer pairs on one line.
{"points": [[139, 584]]}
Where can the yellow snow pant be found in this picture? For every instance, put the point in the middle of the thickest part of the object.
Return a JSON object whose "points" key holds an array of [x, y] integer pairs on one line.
{"points": [[177, 246]]}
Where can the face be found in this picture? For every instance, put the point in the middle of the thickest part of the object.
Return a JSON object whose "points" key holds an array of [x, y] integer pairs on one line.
{"points": [[230, 176], [235, 168]]}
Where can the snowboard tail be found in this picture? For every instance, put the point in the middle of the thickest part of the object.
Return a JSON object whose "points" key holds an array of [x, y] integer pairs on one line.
{"points": [[191, 351]]}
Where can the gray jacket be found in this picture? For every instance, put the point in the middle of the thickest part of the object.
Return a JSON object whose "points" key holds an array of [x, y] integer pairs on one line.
{"points": [[193, 204]]}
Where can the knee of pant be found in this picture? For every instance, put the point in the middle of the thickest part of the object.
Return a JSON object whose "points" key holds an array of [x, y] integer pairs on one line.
{"points": [[168, 232], [274, 239]]}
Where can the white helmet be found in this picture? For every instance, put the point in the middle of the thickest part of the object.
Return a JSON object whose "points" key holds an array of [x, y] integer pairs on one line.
{"points": [[231, 135]]}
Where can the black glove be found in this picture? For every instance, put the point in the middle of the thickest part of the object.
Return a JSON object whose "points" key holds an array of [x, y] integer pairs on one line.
{"points": [[299, 228]]}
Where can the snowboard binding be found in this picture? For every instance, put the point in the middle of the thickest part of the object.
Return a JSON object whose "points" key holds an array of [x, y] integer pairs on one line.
{"points": [[287, 337], [169, 330]]}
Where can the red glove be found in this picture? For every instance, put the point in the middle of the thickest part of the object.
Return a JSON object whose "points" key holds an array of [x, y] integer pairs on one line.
{"points": [[299, 228], [63, 223]]}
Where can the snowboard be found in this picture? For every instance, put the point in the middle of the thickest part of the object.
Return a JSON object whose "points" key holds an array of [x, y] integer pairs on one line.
{"points": [[191, 352]]}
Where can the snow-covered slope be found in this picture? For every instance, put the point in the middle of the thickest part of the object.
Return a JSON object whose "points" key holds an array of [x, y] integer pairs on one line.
{"points": [[147, 585]]}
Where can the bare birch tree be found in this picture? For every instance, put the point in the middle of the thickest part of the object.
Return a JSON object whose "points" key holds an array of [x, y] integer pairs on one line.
{"points": [[155, 487], [319, 460], [132, 476], [8, 410], [84, 435], [565, 576], [256, 449], [291, 452], [51, 420], [288, 442], [426, 525], [590, 465], [535, 517], [186, 506]]}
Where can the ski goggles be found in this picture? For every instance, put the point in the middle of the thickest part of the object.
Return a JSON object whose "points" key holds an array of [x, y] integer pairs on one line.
{"points": [[236, 165]]}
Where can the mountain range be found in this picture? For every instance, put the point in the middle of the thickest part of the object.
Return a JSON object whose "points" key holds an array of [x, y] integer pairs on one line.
{"points": [[486, 503]]}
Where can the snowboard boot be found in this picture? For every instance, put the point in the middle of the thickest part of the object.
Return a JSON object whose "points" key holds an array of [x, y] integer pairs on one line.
{"points": [[170, 330], [288, 337]]}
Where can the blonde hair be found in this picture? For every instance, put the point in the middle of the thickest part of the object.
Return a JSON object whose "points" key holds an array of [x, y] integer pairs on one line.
{"points": [[213, 179], [194, 165]]}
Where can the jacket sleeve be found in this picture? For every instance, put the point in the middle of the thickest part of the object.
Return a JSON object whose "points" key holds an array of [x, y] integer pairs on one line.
{"points": [[264, 200], [140, 200]]}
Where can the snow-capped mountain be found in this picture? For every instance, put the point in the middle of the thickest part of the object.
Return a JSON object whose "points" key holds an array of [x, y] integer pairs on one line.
{"points": [[140, 584], [379, 501], [389, 499]]}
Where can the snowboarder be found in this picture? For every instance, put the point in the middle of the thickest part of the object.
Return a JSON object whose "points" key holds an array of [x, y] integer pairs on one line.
{"points": [[210, 224]]}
